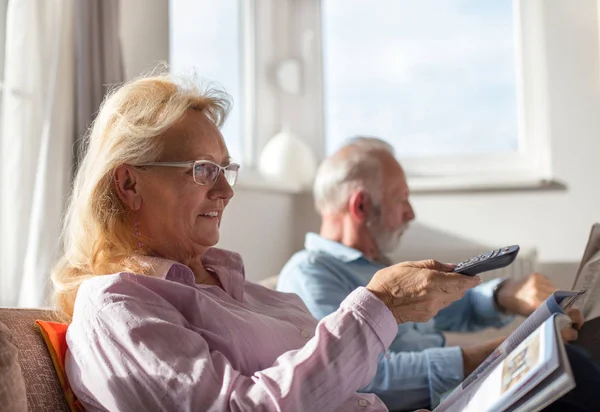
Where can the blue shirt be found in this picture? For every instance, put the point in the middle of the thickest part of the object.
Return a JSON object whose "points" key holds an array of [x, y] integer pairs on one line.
{"points": [[419, 367]]}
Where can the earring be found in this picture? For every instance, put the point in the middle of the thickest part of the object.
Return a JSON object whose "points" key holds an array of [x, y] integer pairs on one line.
{"points": [[136, 225]]}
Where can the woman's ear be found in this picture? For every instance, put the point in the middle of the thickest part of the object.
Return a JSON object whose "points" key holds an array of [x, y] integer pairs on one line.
{"points": [[125, 181], [359, 205]]}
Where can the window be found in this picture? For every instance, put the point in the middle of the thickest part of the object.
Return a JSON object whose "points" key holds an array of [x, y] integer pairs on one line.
{"points": [[438, 80], [206, 40], [457, 86]]}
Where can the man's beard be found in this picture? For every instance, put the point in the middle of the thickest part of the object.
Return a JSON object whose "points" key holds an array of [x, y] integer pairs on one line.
{"points": [[386, 240]]}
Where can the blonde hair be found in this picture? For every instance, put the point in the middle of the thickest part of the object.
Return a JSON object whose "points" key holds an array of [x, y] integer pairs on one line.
{"points": [[98, 237]]}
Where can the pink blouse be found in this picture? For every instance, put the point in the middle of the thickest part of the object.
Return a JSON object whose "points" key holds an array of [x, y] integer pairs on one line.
{"points": [[163, 343]]}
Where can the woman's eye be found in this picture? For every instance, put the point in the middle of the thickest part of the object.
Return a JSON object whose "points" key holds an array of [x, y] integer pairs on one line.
{"points": [[200, 170]]}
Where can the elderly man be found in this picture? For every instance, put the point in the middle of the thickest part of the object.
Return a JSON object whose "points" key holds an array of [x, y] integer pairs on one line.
{"points": [[363, 198]]}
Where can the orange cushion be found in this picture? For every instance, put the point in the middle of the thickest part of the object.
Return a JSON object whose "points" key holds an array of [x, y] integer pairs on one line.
{"points": [[55, 336]]}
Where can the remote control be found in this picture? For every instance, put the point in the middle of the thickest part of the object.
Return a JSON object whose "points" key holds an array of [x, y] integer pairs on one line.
{"points": [[494, 259]]}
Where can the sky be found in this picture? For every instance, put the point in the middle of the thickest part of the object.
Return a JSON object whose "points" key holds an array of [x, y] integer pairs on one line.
{"points": [[432, 77]]}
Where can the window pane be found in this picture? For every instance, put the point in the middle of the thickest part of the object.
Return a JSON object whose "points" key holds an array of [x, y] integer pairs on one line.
{"points": [[205, 39], [431, 77]]}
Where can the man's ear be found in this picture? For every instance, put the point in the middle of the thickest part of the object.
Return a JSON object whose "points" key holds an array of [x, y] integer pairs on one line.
{"points": [[125, 181], [359, 205]]}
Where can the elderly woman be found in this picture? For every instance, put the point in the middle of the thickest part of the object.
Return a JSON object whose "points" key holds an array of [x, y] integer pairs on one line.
{"points": [[162, 320]]}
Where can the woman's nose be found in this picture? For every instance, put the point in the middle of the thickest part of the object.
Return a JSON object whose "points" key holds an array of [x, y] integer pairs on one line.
{"points": [[221, 189]]}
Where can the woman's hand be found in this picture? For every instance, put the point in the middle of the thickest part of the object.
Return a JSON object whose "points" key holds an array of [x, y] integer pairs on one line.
{"points": [[416, 291]]}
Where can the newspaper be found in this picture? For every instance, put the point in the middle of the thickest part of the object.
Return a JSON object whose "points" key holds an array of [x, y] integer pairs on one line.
{"points": [[588, 276], [557, 303]]}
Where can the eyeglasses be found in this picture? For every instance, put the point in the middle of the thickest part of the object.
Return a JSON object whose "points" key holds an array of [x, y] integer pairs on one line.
{"points": [[205, 172]]}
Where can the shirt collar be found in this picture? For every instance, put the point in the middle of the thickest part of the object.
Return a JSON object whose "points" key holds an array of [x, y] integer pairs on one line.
{"points": [[228, 266], [316, 243]]}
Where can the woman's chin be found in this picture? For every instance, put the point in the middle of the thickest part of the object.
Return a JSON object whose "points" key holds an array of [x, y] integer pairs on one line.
{"points": [[208, 239]]}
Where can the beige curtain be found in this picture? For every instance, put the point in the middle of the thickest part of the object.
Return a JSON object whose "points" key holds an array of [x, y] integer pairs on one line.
{"points": [[99, 61], [61, 56], [36, 142]]}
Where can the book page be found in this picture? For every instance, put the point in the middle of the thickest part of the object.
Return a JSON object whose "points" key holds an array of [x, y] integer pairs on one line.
{"points": [[559, 379], [506, 378], [553, 305]]}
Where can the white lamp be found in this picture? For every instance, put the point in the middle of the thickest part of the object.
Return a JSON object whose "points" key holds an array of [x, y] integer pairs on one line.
{"points": [[288, 160]]}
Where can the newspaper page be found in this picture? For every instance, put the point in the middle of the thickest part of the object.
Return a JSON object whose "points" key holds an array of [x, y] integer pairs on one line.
{"points": [[588, 276], [555, 304]]}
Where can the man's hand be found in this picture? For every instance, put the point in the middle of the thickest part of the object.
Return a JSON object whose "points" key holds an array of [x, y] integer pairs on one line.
{"points": [[473, 356], [524, 296], [571, 333]]}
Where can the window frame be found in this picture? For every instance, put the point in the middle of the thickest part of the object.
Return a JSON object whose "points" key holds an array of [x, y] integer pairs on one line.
{"points": [[274, 31], [531, 163]]}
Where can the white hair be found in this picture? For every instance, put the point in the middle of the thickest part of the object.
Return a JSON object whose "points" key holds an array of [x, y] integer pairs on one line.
{"points": [[355, 166]]}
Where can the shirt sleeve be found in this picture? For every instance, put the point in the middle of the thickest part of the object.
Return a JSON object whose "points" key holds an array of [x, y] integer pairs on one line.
{"points": [[475, 311], [150, 360], [412, 380], [321, 290], [404, 380]]}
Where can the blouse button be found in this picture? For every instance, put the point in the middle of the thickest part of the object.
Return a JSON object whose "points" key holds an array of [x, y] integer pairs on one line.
{"points": [[363, 402], [305, 334]]}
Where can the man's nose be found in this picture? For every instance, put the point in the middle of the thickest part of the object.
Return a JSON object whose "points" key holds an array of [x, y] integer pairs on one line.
{"points": [[410, 215]]}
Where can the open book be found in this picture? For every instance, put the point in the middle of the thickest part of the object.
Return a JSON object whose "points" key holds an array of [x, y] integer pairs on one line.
{"points": [[528, 371]]}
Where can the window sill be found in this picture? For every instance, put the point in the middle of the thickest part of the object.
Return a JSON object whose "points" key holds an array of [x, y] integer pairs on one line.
{"points": [[481, 184], [251, 180]]}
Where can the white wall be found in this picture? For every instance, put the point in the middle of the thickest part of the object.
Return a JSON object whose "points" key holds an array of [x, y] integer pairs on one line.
{"points": [[266, 228]]}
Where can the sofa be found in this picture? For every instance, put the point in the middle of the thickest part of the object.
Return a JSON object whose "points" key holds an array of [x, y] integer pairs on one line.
{"points": [[42, 386]]}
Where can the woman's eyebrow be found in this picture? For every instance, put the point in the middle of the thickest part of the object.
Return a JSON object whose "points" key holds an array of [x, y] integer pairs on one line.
{"points": [[225, 161]]}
